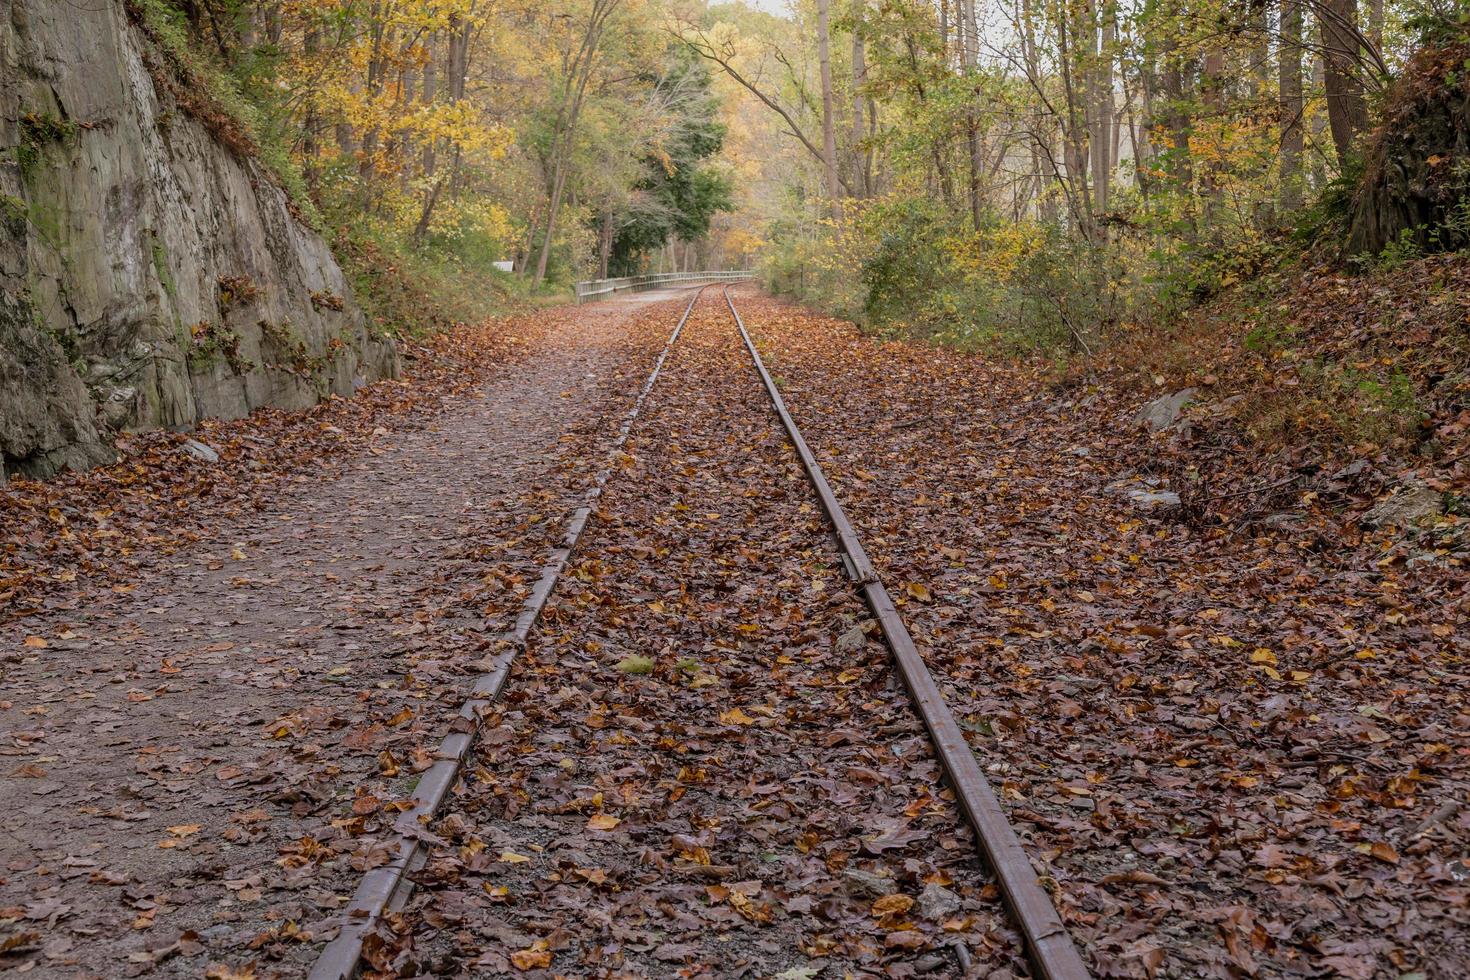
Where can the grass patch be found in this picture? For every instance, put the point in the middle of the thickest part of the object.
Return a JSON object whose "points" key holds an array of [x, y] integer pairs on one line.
{"points": [[636, 664], [419, 290]]}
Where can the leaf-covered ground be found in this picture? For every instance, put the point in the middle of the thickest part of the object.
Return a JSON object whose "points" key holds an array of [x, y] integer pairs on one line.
{"points": [[1238, 752], [1233, 733], [199, 738], [705, 765]]}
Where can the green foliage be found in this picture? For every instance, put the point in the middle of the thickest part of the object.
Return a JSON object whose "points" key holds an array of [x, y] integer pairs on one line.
{"points": [[413, 289], [636, 664], [234, 102], [13, 214], [211, 343], [158, 255], [38, 132], [1269, 334], [675, 197]]}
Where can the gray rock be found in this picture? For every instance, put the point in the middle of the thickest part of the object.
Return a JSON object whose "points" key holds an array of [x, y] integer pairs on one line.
{"points": [[199, 451], [1163, 412], [130, 218], [852, 640], [938, 903], [1355, 468], [47, 419], [1151, 499], [866, 883], [1410, 502]]}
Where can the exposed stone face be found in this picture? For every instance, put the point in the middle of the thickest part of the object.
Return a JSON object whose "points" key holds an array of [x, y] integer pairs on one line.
{"points": [[151, 275]]}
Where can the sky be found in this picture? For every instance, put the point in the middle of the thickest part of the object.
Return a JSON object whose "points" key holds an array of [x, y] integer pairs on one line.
{"points": [[778, 7]]}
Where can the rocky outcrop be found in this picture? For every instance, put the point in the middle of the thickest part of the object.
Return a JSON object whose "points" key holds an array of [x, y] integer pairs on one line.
{"points": [[150, 274]]}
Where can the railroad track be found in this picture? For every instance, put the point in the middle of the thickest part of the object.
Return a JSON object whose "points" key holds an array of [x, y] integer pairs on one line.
{"points": [[386, 889]]}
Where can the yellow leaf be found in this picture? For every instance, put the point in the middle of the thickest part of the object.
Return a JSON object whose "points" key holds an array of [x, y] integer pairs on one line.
{"points": [[602, 821], [918, 591], [1260, 655], [892, 905], [511, 857], [185, 829], [531, 959], [36, 643], [735, 717]]}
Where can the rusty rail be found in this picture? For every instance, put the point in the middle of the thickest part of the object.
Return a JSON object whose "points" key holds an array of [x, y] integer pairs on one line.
{"points": [[388, 886], [1047, 942]]}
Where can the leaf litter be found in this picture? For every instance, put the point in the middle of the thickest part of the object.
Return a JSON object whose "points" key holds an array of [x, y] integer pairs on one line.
{"points": [[1233, 748], [759, 802], [210, 732], [1238, 746]]}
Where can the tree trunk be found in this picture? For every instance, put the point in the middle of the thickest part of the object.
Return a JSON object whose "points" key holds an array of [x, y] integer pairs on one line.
{"points": [[969, 39], [1212, 87], [311, 124], [829, 136], [1075, 153], [604, 243], [430, 92], [579, 73], [1319, 128], [1290, 83], [1347, 108], [1101, 136], [1176, 121], [861, 176]]}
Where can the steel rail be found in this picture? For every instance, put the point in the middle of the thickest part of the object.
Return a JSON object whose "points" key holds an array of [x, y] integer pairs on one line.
{"points": [[388, 886], [1047, 942]]}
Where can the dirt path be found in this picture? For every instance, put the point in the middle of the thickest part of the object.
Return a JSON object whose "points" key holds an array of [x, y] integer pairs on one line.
{"points": [[180, 755], [704, 767]]}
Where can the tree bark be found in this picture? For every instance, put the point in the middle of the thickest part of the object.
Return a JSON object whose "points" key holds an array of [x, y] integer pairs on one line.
{"points": [[829, 136], [968, 40], [1176, 121], [861, 162], [578, 76], [1289, 81], [1101, 137], [1212, 87], [1347, 107]]}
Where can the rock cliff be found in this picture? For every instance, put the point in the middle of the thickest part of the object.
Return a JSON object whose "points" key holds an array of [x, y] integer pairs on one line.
{"points": [[150, 274]]}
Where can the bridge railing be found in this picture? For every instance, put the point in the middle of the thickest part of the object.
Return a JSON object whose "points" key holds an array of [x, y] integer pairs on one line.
{"points": [[595, 289]]}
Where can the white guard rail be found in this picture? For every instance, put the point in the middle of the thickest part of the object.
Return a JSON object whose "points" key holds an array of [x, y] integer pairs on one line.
{"points": [[595, 289]]}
